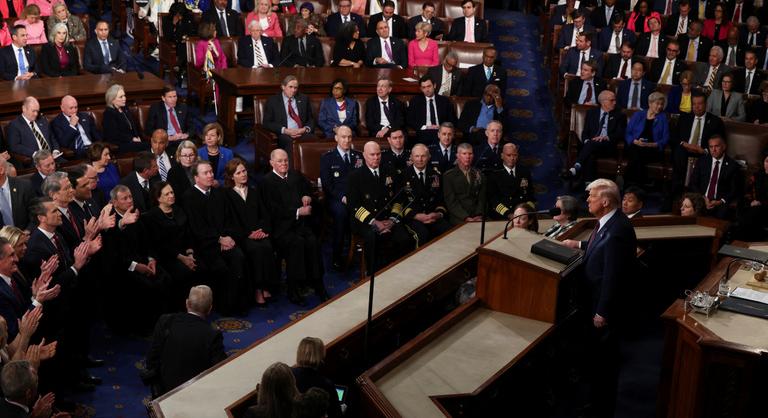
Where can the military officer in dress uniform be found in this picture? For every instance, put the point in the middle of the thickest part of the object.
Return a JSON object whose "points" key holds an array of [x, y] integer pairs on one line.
{"points": [[509, 186], [397, 158], [464, 189], [423, 211], [443, 154], [487, 154], [370, 190], [335, 166]]}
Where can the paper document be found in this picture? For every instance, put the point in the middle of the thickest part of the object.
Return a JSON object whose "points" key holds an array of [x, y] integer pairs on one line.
{"points": [[750, 294], [410, 80]]}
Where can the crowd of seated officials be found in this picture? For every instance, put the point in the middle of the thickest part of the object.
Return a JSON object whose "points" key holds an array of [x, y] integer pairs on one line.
{"points": [[674, 75]]}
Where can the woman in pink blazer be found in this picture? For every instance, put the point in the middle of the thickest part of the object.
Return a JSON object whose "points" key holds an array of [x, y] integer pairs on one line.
{"points": [[30, 18], [422, 51], [266, 18], [44, 5]]}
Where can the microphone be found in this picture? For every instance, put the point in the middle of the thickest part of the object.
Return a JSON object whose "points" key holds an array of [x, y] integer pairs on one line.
{"points": [[551, 212], [290, 54]]}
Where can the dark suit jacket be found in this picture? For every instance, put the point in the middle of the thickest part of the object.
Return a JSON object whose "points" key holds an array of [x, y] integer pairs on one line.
{"points": [[436, 73], [245, 51], [438, 27], [307, 377], [644, 44], [572, 59], [36, 182], [617, 124], [12, 308], [399, 52], [141, 199], [8, 66], [22, 197], [606, 37], [373, 114], [608, 262], [333, 23], [313, 56], [399, 25], [574, 90], [506, 191], [93, 61], [740, 80], [702, 69], [670, 29], [245, 5], [712, 125], [158, 118], [283, 198], [234, 22], [49, 61], [334, 172], [8, 410], [120, 130], [741, 48], [625, 91], [458, 27], [417, 111], [437, 158], [658, 67], [614, 65], [470, 113], [475, 80], [728, 181], [702, 55], [67, 136], [183, 345], [275, 117], [759, 38], [21, 140], [597, 18], [566, 35]]}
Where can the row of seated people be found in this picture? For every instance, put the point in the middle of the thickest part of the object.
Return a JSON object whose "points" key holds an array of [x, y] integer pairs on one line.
{"points": [[62, 56], [70, 133], [39, 20]]}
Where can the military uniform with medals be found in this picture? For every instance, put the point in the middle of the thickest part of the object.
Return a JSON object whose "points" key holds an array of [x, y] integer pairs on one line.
{"points": [[508, 188], [464, 193], [334, 172], [396, 163], [425, 196]]}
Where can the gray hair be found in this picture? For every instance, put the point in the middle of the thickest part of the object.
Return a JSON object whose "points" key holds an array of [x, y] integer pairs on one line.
{"points": [[425, 27], [464, 146], [111, 94], [200, 299], [16, 379], [656, 96], [569, 206], [40, 155], [448, 125], [289, 78], [55, 29], [753, 19], [603, 96], [719, 51], [253, 23], [120, 188], [451, 54], [52, 183], [607, 189]]}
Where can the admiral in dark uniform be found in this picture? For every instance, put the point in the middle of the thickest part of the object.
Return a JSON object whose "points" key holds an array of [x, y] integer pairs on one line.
{"points": [[425, 214], [335, 166], [370, 188], [487, 154], [510, 185], [396, 159]]}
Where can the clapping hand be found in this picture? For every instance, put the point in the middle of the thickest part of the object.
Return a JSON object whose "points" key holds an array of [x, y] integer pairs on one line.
{"points": [[30, 320], [106, 217]]}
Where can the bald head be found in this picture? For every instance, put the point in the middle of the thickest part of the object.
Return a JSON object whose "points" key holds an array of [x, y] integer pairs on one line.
{"points": [[278, 159], [372, 154], [30, 108], [68, 106]]}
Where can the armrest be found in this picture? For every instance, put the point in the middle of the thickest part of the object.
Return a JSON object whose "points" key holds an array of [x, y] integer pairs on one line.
{"points": [[21, 159]]}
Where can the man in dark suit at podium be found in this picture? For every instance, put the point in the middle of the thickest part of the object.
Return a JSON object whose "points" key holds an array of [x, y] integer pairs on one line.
{"points": [[608, 264]]}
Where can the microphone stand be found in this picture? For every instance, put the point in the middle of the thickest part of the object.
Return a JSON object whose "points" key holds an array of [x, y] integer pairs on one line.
{"points": [[372, 280], [539, 212]]}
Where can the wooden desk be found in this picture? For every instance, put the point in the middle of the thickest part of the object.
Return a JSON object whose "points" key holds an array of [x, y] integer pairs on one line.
{"points": [[88, 89], [405, 292], [716, 366], [234, 82]]}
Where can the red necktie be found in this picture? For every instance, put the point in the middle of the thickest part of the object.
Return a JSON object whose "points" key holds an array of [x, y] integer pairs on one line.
{"points": [[594, 234], [623, 73], [17, 292], [588, 96], [292, 113], [74, 224], [737, 14], [713, 181], [174, 121], [59, 248]]}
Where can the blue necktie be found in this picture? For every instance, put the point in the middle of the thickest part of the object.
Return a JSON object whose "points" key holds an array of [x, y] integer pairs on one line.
{"points": [[5, 207], [22, 65], [105, 51]]}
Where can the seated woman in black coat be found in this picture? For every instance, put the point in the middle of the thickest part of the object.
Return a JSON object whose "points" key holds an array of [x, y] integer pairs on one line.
{"points": [[168, 229], [59, 58], [180, 174], [119, 125], [349, 50], [309, 356], [252, 229]]}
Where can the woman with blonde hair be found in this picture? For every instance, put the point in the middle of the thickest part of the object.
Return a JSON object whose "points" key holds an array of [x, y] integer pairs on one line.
{"points": [[310, 355], [213, 151], [277, 393], [266, 18], [75, 26], [180, 175], [30, 18], [119, 125]]}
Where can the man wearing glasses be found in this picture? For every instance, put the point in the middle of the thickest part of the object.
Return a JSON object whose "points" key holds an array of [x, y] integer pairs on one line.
{"points": [[667, 71]]}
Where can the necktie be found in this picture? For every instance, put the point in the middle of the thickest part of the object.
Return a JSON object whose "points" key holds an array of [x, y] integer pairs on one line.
{"points": [[751, 39], [446, 155], [668, 8], [696, 132], [588, 96], [623, 73], [603, 125], [346, 158], [421, 177], [259, 61], [376, 174], [174, 121], [389, 50], [691, 55], [224, 27], [17, 292], [635, 96], [145, 185], [79, 144], [5, 207], [70, 217], [681, 25], [593, 236], [732, 56], [59, 248], [713, 181], [105, 52], [432, 115], [702, 10], [737, 14], [302, 47], [162, 168], [469, 32], [711, 80], [386, 111], [40, 140], [581, 61], [617, 42], [22, 65], [445, 87], [293, 115], [346, 19], [665, 74], [749, 82], [608, 15], [653, 49]]}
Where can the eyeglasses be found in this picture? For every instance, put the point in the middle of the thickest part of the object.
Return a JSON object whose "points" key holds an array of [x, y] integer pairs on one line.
{"points": [[672, 50]]}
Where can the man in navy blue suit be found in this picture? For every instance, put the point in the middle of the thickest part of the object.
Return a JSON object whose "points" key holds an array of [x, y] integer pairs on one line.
{"points": [[255, 50], [344, 15], [29, 132], [10, 66], [74, 130], [633, 92], [103, 54], [610, 41], [335, 166], [583, 52], [468, 28], [570, 31], [607, 264]]}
